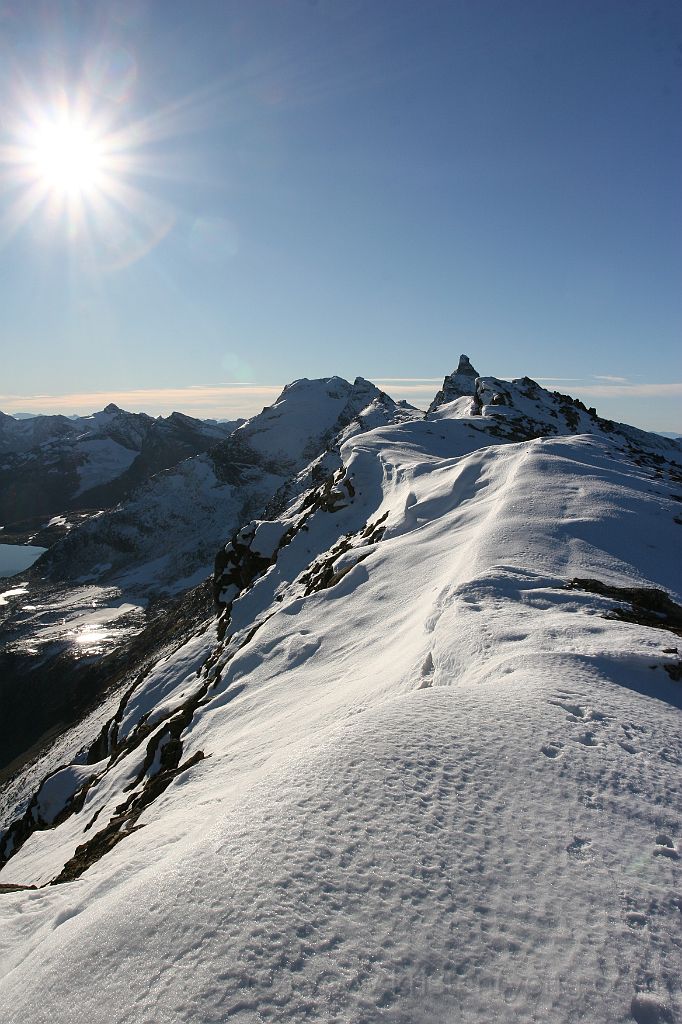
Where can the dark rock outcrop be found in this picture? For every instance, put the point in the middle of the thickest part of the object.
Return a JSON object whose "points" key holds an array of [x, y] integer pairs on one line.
{"points": [[458, 384]]}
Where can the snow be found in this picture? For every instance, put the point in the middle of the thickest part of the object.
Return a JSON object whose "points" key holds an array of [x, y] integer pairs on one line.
{"points": [[304, 409], [308, 413], [101, 460], [266, 538], [14, 592], [168, 682], [61, 786], [446, 787]]}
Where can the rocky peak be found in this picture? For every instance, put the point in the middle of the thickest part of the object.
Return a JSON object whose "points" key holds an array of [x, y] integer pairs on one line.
{"points": [[464, 367], [460, 383], [363, 392], [181, 419]]}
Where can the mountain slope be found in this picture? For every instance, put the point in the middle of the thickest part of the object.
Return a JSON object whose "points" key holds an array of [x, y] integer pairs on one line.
{"points": [[150, 543], [124, 569], [425, 766]]}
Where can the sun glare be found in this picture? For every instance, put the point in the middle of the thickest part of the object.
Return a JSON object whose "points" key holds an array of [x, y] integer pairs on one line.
{"points": [[66, 156], [76, 169]]}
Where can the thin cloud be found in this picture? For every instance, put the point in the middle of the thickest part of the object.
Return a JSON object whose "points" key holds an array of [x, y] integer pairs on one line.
{"points": [[221, 401], [617, 387], [632, 390], [556, 380], [407, 388]]}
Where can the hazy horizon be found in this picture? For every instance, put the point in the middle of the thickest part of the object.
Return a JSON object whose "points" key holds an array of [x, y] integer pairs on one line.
{"points": [[616, 399]]}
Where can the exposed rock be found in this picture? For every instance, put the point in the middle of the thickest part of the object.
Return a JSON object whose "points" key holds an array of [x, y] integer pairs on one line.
{"points": [[460, 383], [648, 605]]}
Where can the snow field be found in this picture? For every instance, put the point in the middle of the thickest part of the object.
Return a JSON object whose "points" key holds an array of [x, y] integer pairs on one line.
{"points": [[428, 862]]}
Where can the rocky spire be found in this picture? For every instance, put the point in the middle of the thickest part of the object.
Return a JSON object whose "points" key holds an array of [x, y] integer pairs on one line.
{"points": [[456, 385]]}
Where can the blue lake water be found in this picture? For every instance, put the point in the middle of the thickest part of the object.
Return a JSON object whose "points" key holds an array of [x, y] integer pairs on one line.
{"points": [[16, 558]]}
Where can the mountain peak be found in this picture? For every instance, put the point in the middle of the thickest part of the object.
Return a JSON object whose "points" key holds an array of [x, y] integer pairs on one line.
{"points": [[460, 383], [111, 408], [464, 367]]}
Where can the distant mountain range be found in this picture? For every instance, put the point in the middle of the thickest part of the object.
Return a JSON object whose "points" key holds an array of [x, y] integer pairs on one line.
{"points": [[54, 464]]}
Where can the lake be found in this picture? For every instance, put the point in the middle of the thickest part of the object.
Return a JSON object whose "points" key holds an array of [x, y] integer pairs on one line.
{"points": [[16, 558]]}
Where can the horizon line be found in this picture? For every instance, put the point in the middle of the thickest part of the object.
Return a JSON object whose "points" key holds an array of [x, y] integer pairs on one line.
{"points": [[245, 399]]}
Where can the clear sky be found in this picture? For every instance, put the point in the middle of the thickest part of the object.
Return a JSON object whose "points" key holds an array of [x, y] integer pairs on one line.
{"points": [[268, 189]]}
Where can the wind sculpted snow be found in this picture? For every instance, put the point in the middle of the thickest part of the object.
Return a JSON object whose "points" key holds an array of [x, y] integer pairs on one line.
{"points": [[416, 771]]}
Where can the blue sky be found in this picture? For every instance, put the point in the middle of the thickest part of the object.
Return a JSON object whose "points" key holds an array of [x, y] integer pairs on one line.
{"points": [[360, 187]]}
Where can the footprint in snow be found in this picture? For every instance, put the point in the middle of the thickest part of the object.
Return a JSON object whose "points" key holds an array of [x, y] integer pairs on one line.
{"points": [[632, 733], [630, 748], [572, 710], [631, 730], [552, 750], [635, 920], [593, 802], [579, 712]]}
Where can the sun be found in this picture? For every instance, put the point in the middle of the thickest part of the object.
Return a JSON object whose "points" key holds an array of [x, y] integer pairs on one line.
{"points": [[66, 156], [77, 170], [68, 166]]}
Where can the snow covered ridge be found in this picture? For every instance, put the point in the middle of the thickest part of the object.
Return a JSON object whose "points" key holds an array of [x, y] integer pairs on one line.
{"points": [[160, 543], [521, 410], [150, 543], [425, 765]]}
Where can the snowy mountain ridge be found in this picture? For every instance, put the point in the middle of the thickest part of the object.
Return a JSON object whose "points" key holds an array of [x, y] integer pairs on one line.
{"points": [[424, 764], [150, 541], [124, 569], [20, 434]]}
